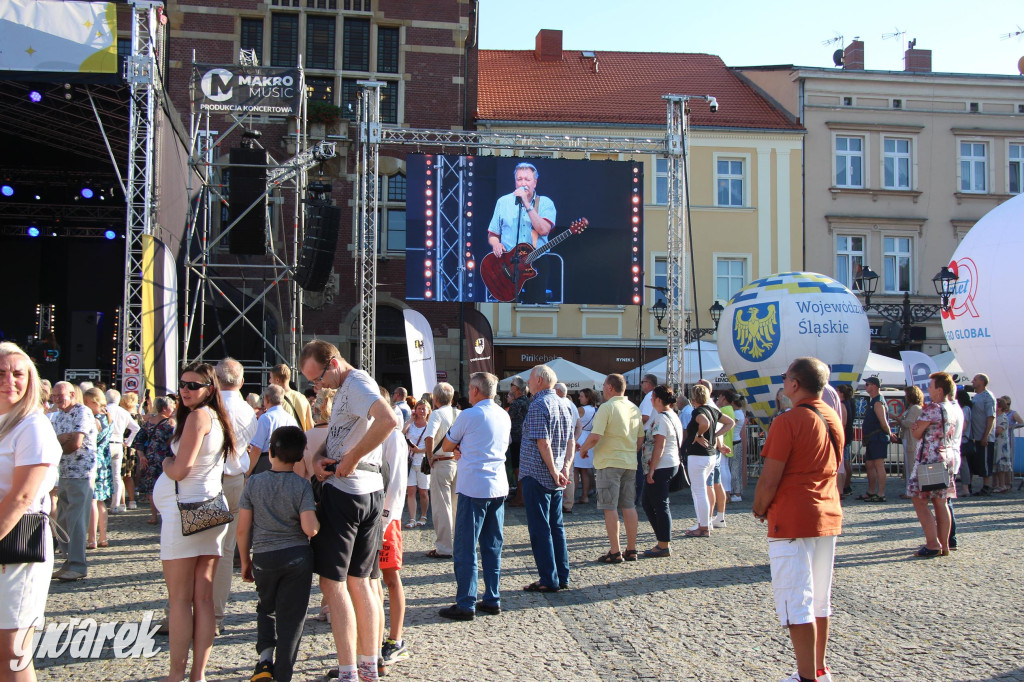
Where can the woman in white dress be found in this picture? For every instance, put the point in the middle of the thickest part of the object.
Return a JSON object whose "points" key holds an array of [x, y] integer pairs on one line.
{"points": [[202, 439], [29, 454], [415, 430], [583, 463]]}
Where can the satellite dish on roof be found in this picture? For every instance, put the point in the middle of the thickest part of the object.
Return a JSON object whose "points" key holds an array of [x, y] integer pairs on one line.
{"points": [[837, 57], [1020, 66]]}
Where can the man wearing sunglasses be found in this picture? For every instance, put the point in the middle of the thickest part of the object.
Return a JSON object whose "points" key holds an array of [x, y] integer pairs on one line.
{"points": [[349, 464]]}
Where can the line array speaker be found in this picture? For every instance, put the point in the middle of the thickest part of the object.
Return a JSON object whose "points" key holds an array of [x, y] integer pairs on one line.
{"points": [[316, 260], [247, 181]]}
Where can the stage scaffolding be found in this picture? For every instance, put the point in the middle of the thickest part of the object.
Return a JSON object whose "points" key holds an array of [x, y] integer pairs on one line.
{"points": [[371, 135], [216, 280]]}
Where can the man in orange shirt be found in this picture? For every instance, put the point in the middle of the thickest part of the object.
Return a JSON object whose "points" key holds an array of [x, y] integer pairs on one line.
{"points": [[797, 496]]}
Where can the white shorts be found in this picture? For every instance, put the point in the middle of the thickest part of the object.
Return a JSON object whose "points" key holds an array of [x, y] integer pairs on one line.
{"points": [[802, 578], [417, 478], [23, 590]]}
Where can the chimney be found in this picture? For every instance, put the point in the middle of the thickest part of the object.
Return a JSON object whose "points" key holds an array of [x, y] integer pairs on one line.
{"points": [[916, 60], [853, 56], [549, 45]]}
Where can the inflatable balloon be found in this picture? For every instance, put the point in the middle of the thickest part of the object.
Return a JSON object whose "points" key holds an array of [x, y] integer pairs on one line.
{"points": [[981, 327], [771, 322]]}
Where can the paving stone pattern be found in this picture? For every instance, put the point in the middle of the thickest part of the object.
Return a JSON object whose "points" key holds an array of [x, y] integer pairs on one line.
{"points": [[706, 613]]}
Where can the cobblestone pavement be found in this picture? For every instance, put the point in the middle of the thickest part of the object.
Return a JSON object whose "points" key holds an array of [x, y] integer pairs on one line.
{"points": [[706, 613]]}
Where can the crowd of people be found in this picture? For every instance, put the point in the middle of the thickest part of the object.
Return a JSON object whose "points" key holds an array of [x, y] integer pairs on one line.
{"points": [[324, 483]]}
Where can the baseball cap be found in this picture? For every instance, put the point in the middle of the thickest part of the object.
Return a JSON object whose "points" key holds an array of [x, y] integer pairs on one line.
{"points": [[873, 380]]}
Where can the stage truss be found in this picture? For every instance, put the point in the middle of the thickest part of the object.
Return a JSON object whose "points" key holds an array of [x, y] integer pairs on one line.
{"points": [[371, 135]]}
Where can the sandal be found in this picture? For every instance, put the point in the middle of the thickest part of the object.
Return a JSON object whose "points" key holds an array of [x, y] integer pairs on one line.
{"points": [[433, 554], [697, 533], [876, 498], [411, 524], [611, 558], [925, 553], [103, 544], [629, 555], [539, 587], [866, 497], [91, 545], [658, 552], [422, 521]]}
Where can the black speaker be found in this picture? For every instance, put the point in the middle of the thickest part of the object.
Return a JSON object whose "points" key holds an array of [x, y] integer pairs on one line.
{"points": [[247, 181], [86, 326], [316, 260]]}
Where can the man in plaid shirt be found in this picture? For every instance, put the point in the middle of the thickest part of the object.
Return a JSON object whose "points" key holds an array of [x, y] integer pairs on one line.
{"points": [[544, 461]]}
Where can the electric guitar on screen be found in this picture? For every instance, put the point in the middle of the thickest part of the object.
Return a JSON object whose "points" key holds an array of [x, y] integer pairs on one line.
{"points": [[506, 276]]}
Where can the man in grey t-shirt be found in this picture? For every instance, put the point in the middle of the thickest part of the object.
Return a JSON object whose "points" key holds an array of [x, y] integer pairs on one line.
{"points": [[983, 419]]}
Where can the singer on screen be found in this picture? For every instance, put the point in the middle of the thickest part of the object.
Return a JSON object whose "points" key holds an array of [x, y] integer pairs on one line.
{"points": [[522, 217]]}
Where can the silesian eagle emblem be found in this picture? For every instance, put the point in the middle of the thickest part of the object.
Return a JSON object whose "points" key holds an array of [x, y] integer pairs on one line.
{"points": [[756, 336]]}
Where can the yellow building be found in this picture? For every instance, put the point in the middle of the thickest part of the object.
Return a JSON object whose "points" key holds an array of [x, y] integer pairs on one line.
{"points": [[745, 181]]}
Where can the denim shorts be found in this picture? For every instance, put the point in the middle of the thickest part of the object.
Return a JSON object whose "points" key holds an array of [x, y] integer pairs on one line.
{"points": [[715, 477]]}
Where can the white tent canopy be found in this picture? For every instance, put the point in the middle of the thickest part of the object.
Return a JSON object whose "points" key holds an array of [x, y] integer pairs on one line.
{"points": [[572, 375], [888, 370], [712, 366]]}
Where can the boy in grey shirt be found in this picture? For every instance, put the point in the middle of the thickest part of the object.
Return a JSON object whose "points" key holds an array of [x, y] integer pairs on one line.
{"points": [[277, 509]]}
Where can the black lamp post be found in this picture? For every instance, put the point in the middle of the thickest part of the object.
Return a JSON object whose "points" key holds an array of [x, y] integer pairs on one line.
{"points": [[659, 310], [693, 333], [906, 314]]}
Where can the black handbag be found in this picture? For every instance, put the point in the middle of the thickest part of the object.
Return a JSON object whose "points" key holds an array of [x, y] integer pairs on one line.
{"points": [[26, 543]]}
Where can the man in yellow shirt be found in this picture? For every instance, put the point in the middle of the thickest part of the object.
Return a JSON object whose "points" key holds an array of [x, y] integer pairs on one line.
{"points": [[614, 438], [294, 402]]}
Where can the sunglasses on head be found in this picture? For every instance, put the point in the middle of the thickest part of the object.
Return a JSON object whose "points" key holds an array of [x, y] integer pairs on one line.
{"points": [[192, 385]]}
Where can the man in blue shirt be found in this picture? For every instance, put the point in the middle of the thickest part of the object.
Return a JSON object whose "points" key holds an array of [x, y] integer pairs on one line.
{"points": [[274, 417], [479, 438], [544, 462], [523, 217]]}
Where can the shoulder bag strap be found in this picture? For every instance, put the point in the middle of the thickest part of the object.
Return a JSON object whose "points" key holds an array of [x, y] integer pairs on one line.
{"points": [[828, 427]]}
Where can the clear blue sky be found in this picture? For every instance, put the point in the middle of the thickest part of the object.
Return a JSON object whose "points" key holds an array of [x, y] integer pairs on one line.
{"points": [[964, 36]]}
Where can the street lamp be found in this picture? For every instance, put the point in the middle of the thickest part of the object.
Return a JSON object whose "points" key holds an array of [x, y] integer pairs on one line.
{"points": [[659, 310], [906, 314], [692, 334]]}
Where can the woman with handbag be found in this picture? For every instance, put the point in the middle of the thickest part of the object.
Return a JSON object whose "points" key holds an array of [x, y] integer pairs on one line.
{"points": [[194, 514], [419, 481], [933, 479], [706, 425], [660, 462], [29, 454]]}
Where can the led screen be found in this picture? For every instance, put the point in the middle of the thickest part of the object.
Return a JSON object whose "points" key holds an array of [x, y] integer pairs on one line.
{"points": [[525, 230]]}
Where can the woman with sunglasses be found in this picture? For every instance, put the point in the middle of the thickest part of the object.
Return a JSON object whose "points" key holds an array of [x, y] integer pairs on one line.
{"points": [[202, 439]]}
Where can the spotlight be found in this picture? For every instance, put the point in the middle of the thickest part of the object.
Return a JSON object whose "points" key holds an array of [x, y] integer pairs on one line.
{"points": [[110, 234], [87, 193], [33, 231], [35, 96], [7, 190]]}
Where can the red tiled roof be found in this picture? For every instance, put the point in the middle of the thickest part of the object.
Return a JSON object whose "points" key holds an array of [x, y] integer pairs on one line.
{"points": [[626, 88]]}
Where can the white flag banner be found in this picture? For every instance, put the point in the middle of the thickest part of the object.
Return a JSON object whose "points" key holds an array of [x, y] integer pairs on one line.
{"points": [[420, 339], [917, 367], [44, 35]]}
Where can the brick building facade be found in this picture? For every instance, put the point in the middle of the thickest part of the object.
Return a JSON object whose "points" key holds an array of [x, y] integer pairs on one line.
{"points": [[425, 53]]}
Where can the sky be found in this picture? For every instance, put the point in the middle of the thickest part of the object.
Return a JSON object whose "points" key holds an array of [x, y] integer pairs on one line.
{"points": [[964, 37]]}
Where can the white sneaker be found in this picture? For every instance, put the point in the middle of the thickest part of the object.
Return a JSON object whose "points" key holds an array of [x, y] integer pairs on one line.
{"points": [[825, 676], [694, 527], [795, 677], [132, 505], [718, 523], [736, 498]]}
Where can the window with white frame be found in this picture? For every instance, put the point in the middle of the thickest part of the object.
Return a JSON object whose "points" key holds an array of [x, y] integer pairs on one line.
{"points": [[729, 182], [849, 161], [661, 181], [849, 259], [896, 162], [896, 264], [1016, 170], [660, 280], [730, 276], [391, 221], [973, 167]]}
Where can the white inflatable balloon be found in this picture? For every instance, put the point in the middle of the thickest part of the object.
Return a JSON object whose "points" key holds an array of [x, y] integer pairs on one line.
{"points": [[771, 322], [981, 328]]}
